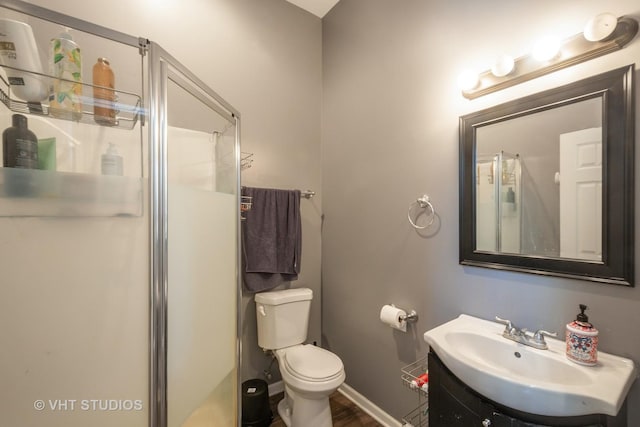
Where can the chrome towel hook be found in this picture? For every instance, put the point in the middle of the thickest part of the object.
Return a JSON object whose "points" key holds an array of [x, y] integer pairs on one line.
{"points": [[424, 203]]}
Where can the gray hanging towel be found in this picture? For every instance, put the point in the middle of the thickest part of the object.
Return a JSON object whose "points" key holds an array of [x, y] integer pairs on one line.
{"points": [[271, 238]]}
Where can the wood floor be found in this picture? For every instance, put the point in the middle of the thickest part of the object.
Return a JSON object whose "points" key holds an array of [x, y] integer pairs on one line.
{"points": [[345, 413]]}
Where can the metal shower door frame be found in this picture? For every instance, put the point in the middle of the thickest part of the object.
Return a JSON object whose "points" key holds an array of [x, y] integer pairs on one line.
{"points": [[162, 67]]}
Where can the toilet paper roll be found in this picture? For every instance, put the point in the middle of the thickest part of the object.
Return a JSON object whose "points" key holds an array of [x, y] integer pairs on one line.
{"points": [[392, 316]]}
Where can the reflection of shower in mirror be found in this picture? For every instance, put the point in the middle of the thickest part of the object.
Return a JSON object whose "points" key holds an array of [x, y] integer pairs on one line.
{"points": [[498, 202]]}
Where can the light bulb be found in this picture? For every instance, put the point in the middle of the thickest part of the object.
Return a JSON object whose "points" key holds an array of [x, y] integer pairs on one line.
{"points": [[468, 80], [600, 27], [546, 49], [502, 66]]}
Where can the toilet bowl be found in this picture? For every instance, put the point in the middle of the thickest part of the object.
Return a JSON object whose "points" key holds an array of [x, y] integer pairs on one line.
{"points": [[309, 373]]}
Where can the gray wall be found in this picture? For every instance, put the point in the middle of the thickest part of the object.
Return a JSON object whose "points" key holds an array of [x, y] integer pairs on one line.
{"points": [[390, 133], [281, 126], [265, 58]]}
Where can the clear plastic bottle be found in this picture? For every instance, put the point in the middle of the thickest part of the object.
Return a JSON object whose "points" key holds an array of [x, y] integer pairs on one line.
{"points": [[65, 65], [111, 161], [103, 94]]}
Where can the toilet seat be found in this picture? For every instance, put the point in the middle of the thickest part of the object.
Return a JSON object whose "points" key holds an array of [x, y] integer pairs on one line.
{"points": [[314, 364]]}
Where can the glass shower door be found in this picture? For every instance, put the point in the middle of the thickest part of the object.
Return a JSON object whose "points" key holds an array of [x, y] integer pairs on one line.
{"points": [[498, 202], [196, 143], [74, 293]]}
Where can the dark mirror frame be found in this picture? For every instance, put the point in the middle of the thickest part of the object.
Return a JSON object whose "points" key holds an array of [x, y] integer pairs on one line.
{"points": [[615, 88]]}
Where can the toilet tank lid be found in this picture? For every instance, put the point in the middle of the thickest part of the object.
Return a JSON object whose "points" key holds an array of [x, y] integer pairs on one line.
{"points": [[284, 296]]}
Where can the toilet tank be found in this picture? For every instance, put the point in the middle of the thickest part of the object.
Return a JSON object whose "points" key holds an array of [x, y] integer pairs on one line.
{"points": [[282, 317]]}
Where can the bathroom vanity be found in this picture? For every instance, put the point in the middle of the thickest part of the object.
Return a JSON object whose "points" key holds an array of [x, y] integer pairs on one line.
{"points": [[453, 403], [479, 376]]}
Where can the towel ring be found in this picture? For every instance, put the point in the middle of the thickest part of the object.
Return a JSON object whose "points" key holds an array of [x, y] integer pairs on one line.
{"points": [[424, 203]]}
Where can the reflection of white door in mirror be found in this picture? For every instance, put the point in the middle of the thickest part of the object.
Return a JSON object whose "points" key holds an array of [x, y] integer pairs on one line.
{"points": [[581, 194]]}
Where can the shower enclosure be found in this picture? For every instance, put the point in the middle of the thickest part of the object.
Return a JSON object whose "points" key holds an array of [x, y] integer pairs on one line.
{"points": [[119, 297]]}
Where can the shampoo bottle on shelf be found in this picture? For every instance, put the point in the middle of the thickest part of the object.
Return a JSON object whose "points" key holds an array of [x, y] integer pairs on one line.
{"points": [[19, 152], [18, 49], [65, 65], [103, 94], [582, 340], [111, 161], [19, 145]]}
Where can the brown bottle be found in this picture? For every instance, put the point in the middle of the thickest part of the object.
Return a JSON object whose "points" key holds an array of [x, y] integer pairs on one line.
{"points": [[104, 96]]}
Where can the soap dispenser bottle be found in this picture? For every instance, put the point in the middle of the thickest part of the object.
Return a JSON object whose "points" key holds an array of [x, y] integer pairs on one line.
{"points": [[582, 340], [111, 161]]}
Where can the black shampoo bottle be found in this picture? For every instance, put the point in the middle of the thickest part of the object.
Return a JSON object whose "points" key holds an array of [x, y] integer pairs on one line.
{"points": [[19, 145]]}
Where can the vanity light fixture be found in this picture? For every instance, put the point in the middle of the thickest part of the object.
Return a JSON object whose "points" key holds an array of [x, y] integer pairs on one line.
{"points": [[468, 80], [600, 27], [603, 34], [546, 49], [502, 66]]}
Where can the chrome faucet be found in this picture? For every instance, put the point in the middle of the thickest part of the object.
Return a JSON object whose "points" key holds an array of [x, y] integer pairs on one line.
{"points": [[522, 336]]}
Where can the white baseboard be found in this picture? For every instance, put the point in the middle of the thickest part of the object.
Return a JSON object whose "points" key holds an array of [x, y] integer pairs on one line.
{"points": [[275, 388], [369, 407], [362, 402]]}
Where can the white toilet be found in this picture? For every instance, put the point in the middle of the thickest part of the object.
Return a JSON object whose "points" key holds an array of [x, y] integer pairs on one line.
{"points": [[310, 374]]}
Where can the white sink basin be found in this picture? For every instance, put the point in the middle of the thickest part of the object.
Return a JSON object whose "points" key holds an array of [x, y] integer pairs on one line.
{"points": [[540, 382]]}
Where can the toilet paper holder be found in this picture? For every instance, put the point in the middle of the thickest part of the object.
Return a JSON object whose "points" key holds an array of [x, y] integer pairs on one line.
{"points": [[396, 317], [410, 317]]}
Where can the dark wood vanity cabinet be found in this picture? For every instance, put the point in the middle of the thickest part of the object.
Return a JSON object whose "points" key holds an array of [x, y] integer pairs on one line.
{"points": [[452, 403]]}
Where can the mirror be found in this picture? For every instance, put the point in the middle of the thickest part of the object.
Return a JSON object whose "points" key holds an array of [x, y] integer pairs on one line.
{"points": [[546, 182]]}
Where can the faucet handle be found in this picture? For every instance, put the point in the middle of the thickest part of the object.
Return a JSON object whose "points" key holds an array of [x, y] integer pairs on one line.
{"points": [[509, 325], [540, 334]]}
